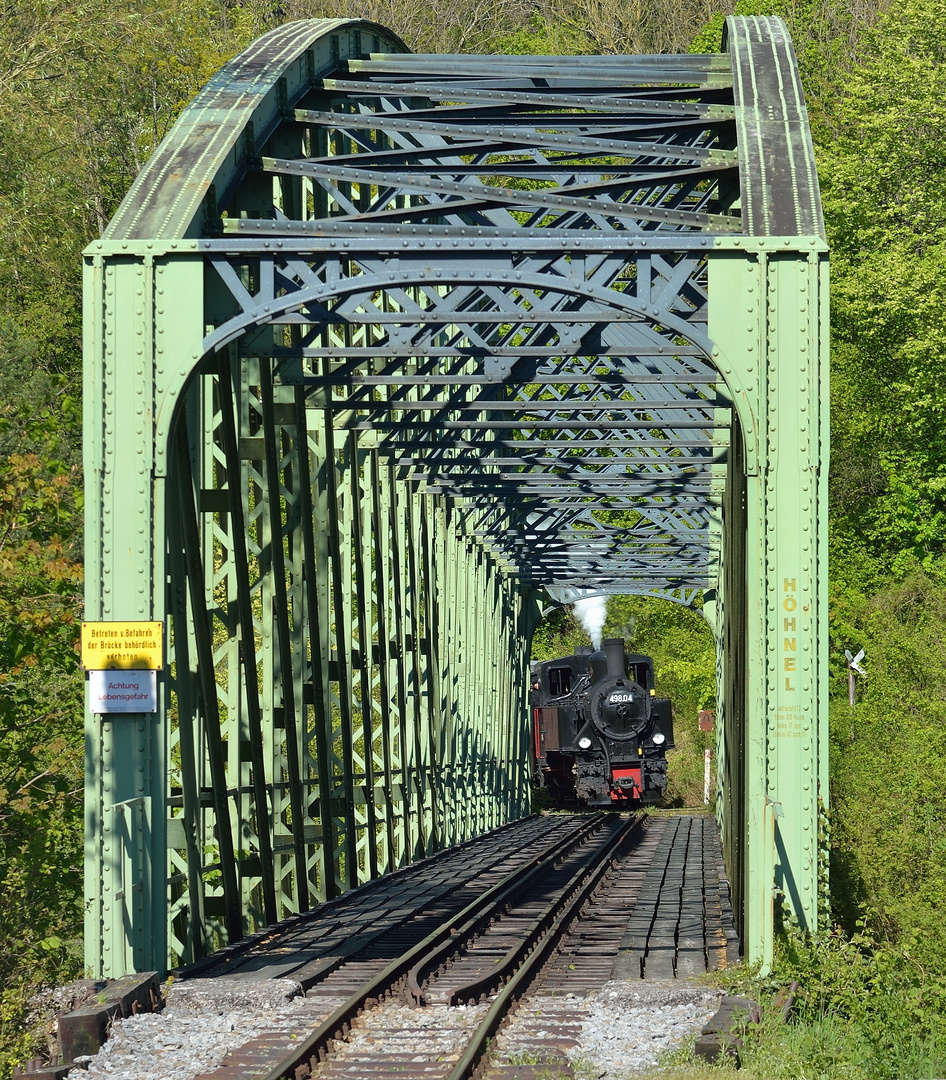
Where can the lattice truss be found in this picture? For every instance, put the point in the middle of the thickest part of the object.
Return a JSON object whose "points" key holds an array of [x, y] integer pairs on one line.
{"points": [[309, 762], [454, 190], [458, 352]]}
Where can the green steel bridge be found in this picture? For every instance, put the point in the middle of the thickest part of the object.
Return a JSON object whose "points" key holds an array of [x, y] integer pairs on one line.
{"points": [[385, 354]]}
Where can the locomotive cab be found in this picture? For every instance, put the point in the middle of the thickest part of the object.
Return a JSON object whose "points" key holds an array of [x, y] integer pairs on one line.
{"points": [[600, 732]]}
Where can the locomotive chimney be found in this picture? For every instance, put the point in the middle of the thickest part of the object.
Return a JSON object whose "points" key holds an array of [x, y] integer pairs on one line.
{"points": [[614, 651]]}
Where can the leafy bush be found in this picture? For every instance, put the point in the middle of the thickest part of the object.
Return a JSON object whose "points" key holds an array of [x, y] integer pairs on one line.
{"points": [[41, 695], [865, 1010], [888, 771]]}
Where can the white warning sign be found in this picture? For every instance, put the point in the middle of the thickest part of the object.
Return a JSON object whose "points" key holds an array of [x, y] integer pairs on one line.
{"points": [[118, 691]]}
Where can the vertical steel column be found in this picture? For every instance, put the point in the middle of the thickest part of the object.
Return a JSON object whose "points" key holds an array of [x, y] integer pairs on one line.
{"points": [[125, 753], [186, 913], [406, 694], [334, 522], [283, 668], [361, 583], [317, 639], [141, 341], [774, 360], [237, 495], [424, 581], [207, 696], [449, 666], [378, 553], [292, 443], [729, 628], [477, 690], [407, 609]]}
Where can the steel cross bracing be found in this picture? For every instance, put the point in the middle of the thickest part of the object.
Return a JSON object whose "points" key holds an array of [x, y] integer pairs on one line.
{"points": [[535, 370], [385, 352]]}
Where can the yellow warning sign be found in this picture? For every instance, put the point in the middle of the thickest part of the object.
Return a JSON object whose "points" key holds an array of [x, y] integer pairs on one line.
{"points": [[122, 645]]}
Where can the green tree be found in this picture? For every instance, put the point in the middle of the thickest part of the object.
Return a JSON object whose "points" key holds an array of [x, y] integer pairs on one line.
{"points": [[40, 741], [881, 159]]}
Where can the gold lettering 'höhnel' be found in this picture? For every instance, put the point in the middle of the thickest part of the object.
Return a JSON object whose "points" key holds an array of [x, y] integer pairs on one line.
{"points": [[789, 646]]}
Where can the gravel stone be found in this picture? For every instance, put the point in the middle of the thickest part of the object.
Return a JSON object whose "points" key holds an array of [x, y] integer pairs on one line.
{"points": [[629, 1025], [623, 1029], [204, 1020], [439, 1029], [229, 995], [618, 1033]]}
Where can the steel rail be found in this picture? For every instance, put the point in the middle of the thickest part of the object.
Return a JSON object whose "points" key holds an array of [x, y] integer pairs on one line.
{"points": [[342, 1018], [565, 912], [514, 956]]}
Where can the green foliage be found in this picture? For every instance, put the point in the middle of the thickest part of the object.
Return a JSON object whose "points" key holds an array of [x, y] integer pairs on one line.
{"points": [[39, 412], [40, 742], [710, 38], [90, 87], [41, 691], [543, 37], [881, 158], [888, 772], [865, 1010], [880, 162]]}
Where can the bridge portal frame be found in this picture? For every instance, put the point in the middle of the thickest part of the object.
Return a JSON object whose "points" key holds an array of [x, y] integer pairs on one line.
{"points": [[146, 341]]}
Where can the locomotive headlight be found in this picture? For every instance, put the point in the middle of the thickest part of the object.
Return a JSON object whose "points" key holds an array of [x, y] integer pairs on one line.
{"points": [[658, 738], [584, 742]]}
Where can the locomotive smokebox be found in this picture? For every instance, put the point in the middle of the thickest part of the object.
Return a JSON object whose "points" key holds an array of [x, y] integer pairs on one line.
{"points": [[614, 651]]}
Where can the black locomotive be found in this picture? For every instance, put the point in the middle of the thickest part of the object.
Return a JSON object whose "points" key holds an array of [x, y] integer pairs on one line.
{"points": [[600, 734]]}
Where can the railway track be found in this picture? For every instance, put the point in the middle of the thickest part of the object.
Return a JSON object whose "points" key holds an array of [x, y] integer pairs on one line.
{"points": [[606, 894], [508, 941], [488, 952], [345, 942]]}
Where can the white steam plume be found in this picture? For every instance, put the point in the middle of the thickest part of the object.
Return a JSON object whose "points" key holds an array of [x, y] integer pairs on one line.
{"points": [[591, 611]]}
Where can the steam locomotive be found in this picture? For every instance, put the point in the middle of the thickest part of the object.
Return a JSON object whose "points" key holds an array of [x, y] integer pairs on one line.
{"points": [[600, 733]]}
